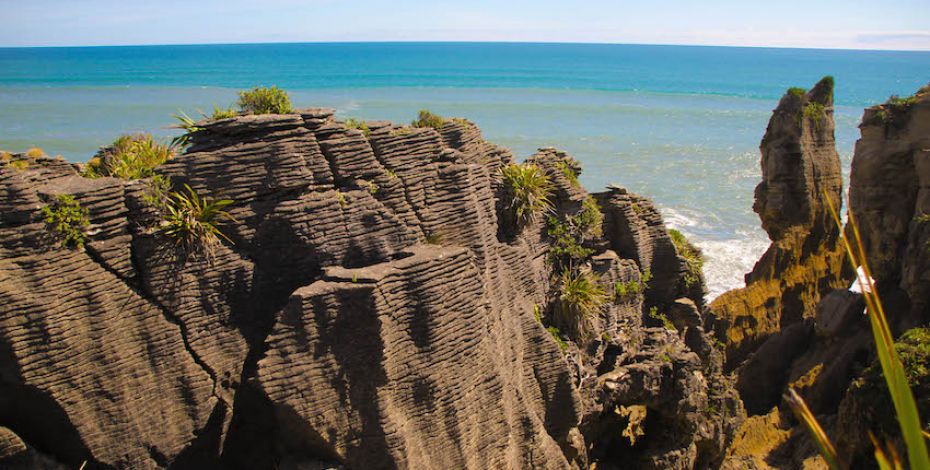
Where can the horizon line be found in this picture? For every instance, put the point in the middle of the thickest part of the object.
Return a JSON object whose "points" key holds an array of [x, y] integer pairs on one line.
{"points": [[180, 44]]}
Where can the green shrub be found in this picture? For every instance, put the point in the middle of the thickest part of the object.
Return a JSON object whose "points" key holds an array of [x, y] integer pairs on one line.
{"points": [[590, 220], [581, 299], [19, 165], [352, 123], [193, 221], [570, 173], [661, 318], [261, 100], [428, 119], [646, 277], [130, 157], [67, 219], [694, 261], [815, 111], [624, 290], [529, 189], [896, 101], [557, 336], [565, 246], [157, 192], [219, 113], [797, 91], [568, 235]]}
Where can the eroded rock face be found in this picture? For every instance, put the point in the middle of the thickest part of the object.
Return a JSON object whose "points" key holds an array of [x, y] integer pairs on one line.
{"points": [[370, 312], [828, 357], [800, 168], [889, 195]]}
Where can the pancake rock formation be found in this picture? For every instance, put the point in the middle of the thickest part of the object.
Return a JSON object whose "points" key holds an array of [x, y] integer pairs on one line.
{"points": [[375, 301], [826, 351]]}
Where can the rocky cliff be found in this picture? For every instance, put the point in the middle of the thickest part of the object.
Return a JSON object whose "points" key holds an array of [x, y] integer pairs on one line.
{"points": [[795, 324], [372, 305]]}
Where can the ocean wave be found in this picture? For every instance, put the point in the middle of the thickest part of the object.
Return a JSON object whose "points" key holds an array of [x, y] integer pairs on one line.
{"points": [[727, 261]]}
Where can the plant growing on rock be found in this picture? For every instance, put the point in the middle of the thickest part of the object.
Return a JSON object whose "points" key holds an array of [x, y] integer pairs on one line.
{"points": [[694, 260], [220, 113], [67, 219], [569, 235], [529, 189], [570, 173], [816, 112], [796, 91], [190, 128], [194, 222], [581, 298], [262, 100], [157, 192], [353, 123], [35, 152], [129, 157], [427, 119]]}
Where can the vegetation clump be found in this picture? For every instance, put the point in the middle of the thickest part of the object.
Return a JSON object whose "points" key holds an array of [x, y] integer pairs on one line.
{"points": [[353, 123], [35, 152], [262, 100], [67, 219], [427, 119], [220, 113], [662, 318], [529, 189], [694, 261], [581, 298], [194, 222], [130, 157], [625, 290], [557, 336], [570, 170], [816, 112], [797, 91], [569, 235]]}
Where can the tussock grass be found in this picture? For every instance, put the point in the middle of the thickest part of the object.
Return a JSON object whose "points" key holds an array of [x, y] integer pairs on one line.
{"points": [[194, 222], [529, 190], [581, 298]]}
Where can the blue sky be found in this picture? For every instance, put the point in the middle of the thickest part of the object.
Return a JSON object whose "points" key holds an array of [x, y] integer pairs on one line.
{"points": [[855, 24]]}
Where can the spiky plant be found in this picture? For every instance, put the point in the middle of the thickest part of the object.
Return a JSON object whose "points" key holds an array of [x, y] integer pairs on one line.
{"points": [[529, 189], [581, 298], [262, 100], [188, 125], [194, 222]]}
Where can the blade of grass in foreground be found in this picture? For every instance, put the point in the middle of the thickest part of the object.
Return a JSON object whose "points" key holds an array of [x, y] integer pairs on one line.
{"points": [[805, 415], [892, 369]]}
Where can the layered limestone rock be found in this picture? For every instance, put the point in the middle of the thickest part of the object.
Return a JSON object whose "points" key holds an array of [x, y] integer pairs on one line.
{"points": [[800, 168], [889, 195], [372, 309], [829, 358]]}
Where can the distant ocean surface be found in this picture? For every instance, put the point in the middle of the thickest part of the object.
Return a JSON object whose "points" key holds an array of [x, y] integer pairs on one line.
{"points": [[680, 124]]}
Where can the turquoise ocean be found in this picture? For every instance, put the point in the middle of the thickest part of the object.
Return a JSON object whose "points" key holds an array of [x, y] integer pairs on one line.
{"points": [[680, 124]]}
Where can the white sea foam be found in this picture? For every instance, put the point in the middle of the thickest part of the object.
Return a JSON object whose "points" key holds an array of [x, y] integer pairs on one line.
{"points": [[727, 261], [728, 255]]}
